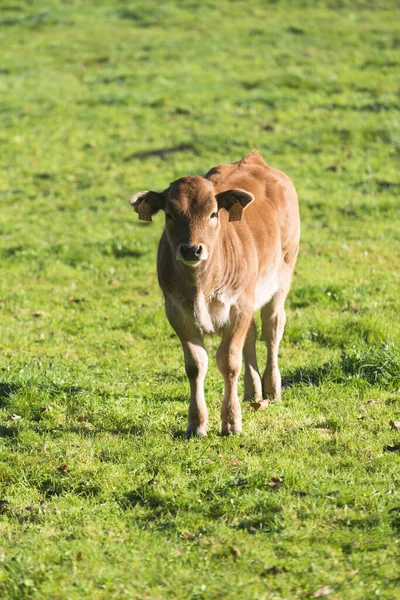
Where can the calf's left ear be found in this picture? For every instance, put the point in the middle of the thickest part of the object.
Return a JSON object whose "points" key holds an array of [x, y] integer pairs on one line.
{"points": [[147, 204], [235, 201]]}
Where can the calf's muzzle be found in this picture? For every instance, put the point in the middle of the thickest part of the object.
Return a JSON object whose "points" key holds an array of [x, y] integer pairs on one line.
{"points": [[191, 253]]}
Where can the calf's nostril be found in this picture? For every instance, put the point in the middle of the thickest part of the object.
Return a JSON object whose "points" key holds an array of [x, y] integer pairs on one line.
{"points": [[198, 251]]}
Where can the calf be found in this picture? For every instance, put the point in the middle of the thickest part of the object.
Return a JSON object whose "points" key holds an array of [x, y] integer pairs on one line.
{"points": [[229, 247]]}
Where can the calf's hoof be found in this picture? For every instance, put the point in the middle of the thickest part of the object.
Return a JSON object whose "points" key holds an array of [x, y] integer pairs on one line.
{"points": [[272, 386], [193, 431], [272, 392], [231, 428]]}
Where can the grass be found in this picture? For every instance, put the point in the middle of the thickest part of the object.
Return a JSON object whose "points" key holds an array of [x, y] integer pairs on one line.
{"points": [[101, 495]]}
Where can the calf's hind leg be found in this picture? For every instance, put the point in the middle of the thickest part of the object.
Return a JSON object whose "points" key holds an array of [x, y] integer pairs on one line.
{"points": [[252, 379], [273, 318]]}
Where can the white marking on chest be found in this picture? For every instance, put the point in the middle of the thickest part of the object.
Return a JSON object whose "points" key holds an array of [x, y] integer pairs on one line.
{"points": [[201, 314], [214, 314], [265, 289], [220, 308]]}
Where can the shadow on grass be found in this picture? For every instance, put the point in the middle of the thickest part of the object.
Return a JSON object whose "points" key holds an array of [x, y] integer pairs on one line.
{"points": [[147, 497], [6, 389], [312, 375], [7, 432], [394, 514], [375, 365], [53, 388], [160, 509], [270, 521], [57, 485], [161, 152], [161, 397]]}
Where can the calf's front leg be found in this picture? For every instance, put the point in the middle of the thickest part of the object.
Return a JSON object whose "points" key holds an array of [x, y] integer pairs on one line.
{"points": [[229, 361], [196, 363]]}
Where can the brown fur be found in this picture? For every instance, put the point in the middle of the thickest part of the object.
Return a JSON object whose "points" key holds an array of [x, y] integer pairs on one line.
{"points": [[246, 263]]}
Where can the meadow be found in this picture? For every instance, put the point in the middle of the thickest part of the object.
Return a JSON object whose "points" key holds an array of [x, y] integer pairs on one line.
{"points": [[101, 495]]}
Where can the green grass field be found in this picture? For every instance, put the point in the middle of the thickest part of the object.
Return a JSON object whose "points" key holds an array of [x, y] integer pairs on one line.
{"points": [[101, 495]]}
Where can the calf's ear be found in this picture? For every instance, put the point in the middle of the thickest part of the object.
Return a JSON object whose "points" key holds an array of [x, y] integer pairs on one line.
{"points": [[147, 204], [235, 201]]}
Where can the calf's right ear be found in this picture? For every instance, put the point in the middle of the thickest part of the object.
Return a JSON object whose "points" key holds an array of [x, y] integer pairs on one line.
{"points": [[147, 204]]}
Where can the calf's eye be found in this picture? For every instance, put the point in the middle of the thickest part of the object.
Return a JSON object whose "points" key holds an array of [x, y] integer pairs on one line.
{"points": [[214, 215], [168, 217]]}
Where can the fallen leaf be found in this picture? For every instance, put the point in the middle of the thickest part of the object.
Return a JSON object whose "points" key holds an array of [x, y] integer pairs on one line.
{"points": [[62, 468], [114, 282], [235, 552], [395, 425], [14, 417], [325, 590], [187, 535], [275, 482], [332, 494], [76, 300], [324, 429], [362, 407], [261, 405], [4, 504], [79, 556], [252, 530]]}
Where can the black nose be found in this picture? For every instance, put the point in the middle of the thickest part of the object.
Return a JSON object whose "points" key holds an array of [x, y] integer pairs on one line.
{"points": [[189, 252]]}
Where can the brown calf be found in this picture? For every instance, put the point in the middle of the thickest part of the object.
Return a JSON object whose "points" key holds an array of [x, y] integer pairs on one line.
{"points": [[215, 273]]}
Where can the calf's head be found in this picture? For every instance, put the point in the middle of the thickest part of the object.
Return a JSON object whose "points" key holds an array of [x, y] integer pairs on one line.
{"points": [[192, 215]]}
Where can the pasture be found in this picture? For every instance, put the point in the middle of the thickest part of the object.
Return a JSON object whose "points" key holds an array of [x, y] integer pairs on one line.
{"points": [[101, 496]]}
